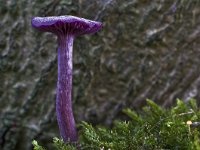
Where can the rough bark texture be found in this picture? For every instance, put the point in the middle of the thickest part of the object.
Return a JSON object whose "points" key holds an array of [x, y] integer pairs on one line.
{"points": [[147, 49]]}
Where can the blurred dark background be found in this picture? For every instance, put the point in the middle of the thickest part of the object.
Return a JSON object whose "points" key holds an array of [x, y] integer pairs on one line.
{"points": [[147, 49]]}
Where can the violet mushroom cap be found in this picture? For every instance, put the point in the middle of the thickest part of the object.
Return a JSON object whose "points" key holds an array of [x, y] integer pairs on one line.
{"points": [[66, 28], [66, 24]]}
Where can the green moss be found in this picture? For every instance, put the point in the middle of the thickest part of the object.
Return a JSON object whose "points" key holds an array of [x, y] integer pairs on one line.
{"points": [[36, 146], [155, 128]]}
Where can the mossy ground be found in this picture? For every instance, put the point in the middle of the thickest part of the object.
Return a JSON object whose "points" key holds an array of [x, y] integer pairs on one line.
{"points": [[155, 128]]}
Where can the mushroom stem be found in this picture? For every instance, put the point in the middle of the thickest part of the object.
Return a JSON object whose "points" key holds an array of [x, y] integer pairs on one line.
{"points": [[64, 111]]}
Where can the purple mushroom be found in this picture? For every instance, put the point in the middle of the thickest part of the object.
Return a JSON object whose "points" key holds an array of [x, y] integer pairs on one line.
{"points": [[66, 28]]}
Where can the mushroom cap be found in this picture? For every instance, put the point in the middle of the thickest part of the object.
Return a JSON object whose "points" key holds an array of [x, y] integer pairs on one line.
{"points": [[62, 25]]}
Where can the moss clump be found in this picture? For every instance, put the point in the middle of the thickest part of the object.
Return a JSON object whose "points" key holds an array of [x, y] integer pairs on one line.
{"points": [[154, 128]]}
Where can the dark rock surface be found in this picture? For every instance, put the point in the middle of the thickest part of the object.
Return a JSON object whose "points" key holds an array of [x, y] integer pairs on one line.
{"points": [[147, 49]]}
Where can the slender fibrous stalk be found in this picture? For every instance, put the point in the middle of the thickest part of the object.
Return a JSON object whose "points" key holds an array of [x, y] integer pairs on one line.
{"points": [[64, 111]]}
